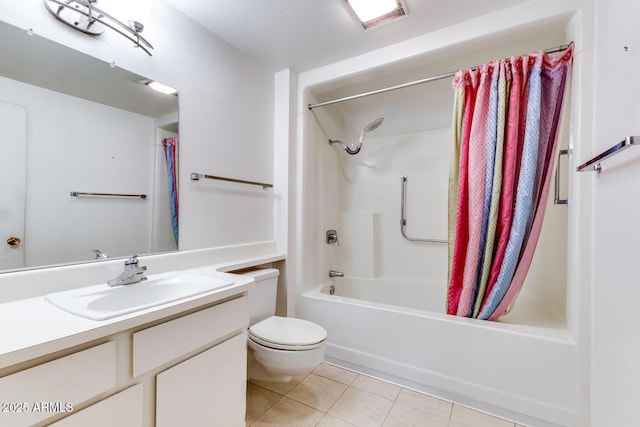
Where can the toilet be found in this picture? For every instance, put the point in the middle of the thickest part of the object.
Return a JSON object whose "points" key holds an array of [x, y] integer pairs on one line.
{"points": [[279, 348]]}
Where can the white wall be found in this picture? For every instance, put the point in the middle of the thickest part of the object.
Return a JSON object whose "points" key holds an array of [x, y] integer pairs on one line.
{"points": [[616, 203], [226, 116]]}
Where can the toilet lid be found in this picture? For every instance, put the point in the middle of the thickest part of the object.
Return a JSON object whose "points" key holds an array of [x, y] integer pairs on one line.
{"points": [[287, 333]]}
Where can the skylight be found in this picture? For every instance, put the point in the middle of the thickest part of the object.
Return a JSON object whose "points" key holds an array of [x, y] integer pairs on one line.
{"points": [[374, 12]]}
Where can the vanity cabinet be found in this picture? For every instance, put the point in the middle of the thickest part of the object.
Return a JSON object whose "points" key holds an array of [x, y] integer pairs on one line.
{"points": [[185, 395], [186, 370], [158, 345], [208, 388], [40, 392]]}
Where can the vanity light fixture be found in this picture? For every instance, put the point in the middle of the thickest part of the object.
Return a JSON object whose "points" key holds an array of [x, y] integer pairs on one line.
{"points": [[374, 12], [84, 16]]}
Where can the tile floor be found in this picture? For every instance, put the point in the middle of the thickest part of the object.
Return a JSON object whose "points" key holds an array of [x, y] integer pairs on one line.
{"points": [[334, 397]]}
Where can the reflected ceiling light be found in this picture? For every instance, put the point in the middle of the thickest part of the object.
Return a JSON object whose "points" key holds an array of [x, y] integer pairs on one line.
{"points": [[84, 16], [374, 12], [162, 88], [168, 90]]}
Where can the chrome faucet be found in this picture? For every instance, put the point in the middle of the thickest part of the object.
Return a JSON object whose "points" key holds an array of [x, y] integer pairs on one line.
{"points": [[333, 273], [100, 254], [133, 273]]}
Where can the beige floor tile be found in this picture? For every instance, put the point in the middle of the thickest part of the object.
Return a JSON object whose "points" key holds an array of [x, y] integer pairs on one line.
{"points": [[377, 387], [318, 392], [280, 388], [361, 408], [288, 412], [438, 407], [465, 417], [407, 416], [329, 421], [334, 373], [259, 401]]}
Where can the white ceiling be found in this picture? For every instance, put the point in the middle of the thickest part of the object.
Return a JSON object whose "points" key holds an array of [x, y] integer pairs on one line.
{"points": [[305, 34]]}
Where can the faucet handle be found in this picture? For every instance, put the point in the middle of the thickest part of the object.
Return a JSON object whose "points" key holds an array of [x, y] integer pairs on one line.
{"points": [[332, 237], [133, 260]]}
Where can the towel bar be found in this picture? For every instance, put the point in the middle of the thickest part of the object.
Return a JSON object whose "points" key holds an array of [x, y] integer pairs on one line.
{"points": [[116, 195], [597, 167], [198, 176]]}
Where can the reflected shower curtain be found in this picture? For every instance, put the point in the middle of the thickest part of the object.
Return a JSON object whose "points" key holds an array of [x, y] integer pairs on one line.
{"points": [[170, 146], [505, 121]]}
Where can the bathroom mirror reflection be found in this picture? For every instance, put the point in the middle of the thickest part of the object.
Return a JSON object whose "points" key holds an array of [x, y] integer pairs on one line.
{"points": [[74, 123]]}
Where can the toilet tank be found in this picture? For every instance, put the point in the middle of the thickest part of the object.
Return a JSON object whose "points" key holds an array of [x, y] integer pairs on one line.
{"points": [[262, 296]]}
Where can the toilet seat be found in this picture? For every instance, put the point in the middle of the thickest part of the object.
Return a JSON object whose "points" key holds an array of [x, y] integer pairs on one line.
{"points": [[287, 333]]}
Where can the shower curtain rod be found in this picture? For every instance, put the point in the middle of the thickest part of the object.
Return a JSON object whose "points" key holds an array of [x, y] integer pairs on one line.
{"points": [[413, 83]]}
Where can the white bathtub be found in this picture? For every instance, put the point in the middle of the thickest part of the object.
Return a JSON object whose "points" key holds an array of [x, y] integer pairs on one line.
{"points": [[523, 363]]}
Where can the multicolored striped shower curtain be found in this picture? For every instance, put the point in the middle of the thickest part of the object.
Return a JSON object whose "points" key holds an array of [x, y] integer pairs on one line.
{"points": [[505, 122], [170, 146]]}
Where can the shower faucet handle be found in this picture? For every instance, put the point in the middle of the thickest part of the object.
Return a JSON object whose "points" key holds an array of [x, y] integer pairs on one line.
{"points": [[332, 237]]}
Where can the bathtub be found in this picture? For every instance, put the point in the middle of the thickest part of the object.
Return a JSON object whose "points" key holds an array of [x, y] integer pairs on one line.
{"points": [[521, 366]]}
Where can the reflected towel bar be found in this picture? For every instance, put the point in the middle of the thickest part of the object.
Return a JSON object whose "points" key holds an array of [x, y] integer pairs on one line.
{"points": [[403, 219], [628, 142], [199, 176], [117, 195]]}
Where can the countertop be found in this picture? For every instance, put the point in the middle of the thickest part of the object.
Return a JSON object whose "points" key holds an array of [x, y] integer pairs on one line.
{"points": [[33, 327]]}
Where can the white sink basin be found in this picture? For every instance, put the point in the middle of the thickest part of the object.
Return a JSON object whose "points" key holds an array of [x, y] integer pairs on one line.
{"points": [[102, 302]]}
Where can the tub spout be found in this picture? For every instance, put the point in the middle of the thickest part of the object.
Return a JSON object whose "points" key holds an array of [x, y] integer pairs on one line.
{"points": [[333, 273]]}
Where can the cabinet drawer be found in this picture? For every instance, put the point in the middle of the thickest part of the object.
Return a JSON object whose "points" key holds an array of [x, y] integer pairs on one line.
{"points": [[163, 343], [53, 387], [123, 409]]}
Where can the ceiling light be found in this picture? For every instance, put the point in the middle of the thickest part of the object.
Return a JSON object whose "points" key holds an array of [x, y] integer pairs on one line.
{"points": [[374, 12]]}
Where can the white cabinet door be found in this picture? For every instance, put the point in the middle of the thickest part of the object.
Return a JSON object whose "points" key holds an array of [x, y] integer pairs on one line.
{"points": [[123, 409], [208, 389], [13, 141]]}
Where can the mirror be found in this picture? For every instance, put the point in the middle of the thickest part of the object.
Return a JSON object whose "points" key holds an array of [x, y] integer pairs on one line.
{"points": [[75, 124]]}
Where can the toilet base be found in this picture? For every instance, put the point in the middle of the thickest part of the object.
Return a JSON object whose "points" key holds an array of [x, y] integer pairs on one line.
{"points": [[255, 371]]}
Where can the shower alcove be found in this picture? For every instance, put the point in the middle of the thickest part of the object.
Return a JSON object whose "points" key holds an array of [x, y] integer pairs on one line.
{"points": [[387, 314]]}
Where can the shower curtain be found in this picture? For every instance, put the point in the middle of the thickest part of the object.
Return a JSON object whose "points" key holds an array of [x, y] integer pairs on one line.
{"points": [[170, 146], [505, 121]]}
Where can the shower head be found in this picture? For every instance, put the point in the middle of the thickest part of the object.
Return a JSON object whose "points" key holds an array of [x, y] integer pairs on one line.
{"points": [[373, 125], [368, 128]]}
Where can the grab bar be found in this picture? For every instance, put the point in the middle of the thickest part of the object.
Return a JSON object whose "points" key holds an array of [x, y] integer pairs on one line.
{"points": [[403, 219], [117, 195], [198, 176], [556, 198], [628, 142]]}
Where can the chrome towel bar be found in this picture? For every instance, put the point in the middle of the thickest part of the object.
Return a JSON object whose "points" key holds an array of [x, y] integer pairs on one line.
{"points": [[403, 218], [594, 164], [198, 176], [116, 195]]}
